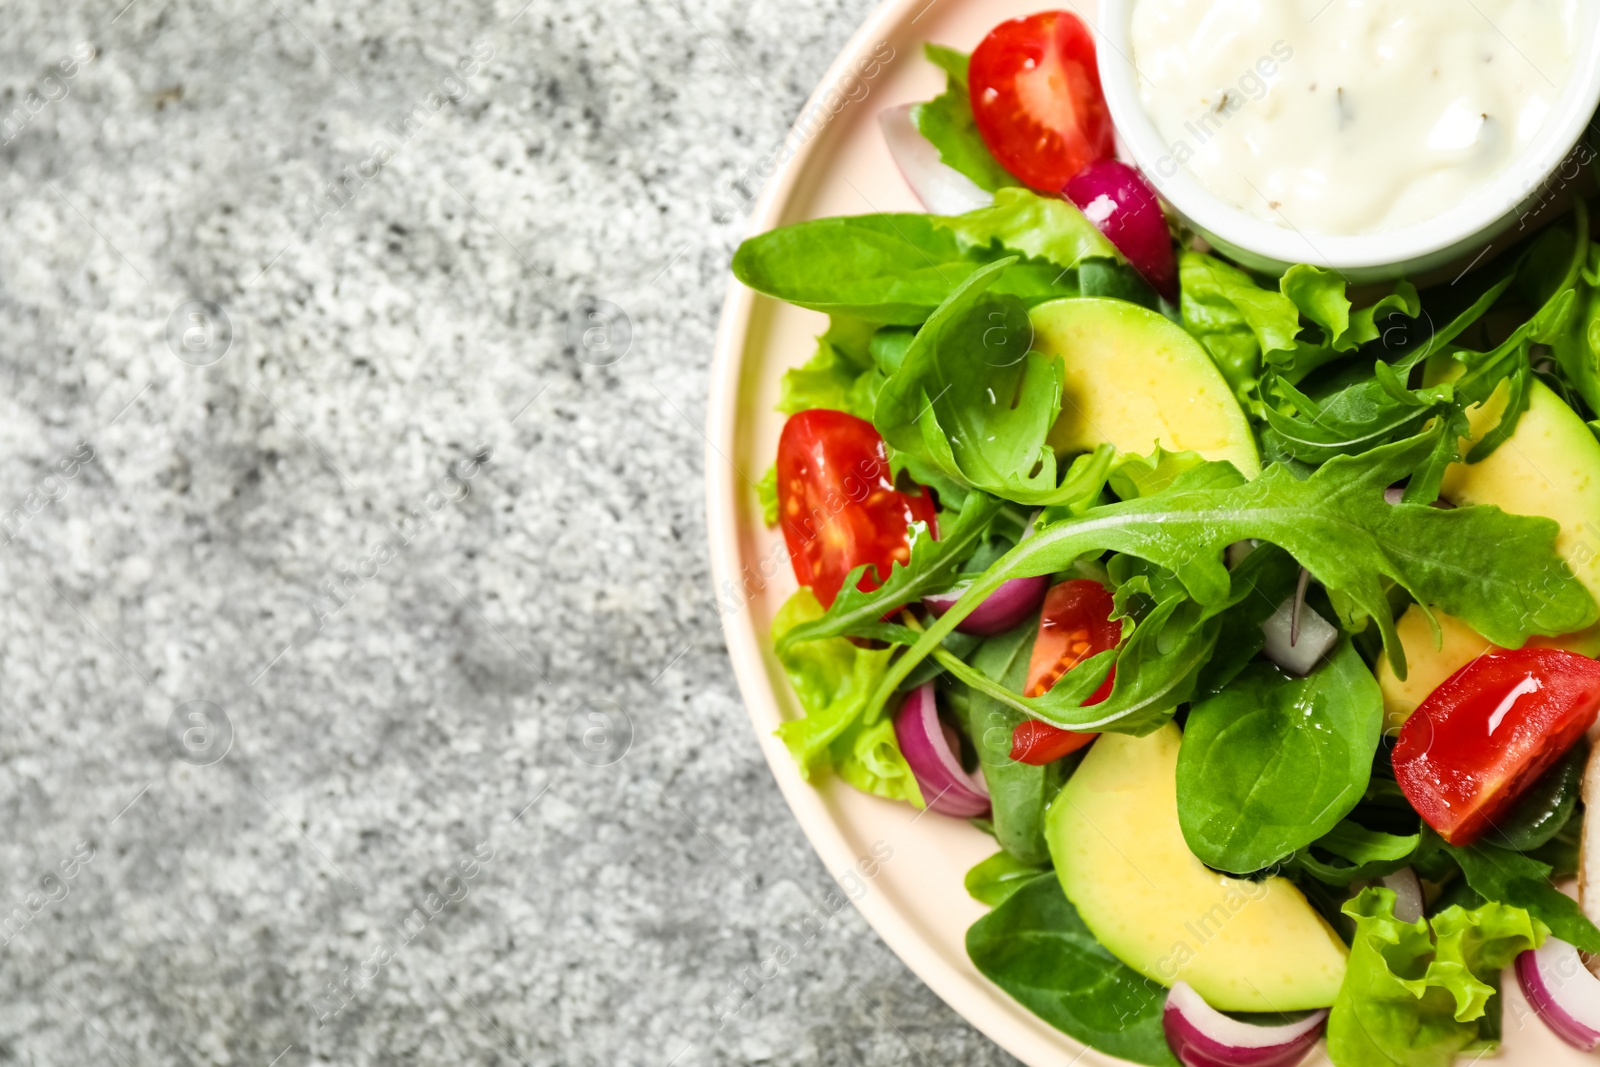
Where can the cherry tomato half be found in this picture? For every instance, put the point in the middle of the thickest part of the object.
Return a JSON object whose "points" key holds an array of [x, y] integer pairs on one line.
{"points": [[838, 503], [1075, 624], [1489, 731], [1036, 96]]}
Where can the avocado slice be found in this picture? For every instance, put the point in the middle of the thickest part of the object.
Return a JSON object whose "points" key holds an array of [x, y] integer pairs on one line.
{"points": [[1120, 855], [1550, 466], [1135, 380]]}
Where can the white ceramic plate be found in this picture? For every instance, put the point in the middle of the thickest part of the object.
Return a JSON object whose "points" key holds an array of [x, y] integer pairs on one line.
{"points": [[914, 899]]}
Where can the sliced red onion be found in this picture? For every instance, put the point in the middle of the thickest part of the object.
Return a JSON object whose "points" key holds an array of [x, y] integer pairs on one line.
{"points": [[1297, 652], [1118, 200], [942, 189], [930, 751], [1201, 1036], [1407, 889], [1563, 992], [1004, 608]]}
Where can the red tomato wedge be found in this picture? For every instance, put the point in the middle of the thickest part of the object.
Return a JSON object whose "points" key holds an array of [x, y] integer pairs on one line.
{"points": [[838, 504], [1074, 624], [1036, 96], [1489, 731]]}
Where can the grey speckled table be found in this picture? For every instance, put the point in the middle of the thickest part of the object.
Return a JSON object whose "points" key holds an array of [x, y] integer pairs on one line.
{"points": [[319, 532]]}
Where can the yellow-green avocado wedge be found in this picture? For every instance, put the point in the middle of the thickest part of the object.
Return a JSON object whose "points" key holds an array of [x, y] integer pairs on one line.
{"points": [[1135, 380], [1121, 858], [1550, 466]]}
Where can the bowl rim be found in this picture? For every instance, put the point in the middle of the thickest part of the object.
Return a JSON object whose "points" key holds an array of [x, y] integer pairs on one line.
{"points": [[1475, 220]]}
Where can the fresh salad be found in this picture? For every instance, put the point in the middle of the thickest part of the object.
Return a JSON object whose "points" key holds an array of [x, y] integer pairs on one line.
{"points": [[1252, 617]]}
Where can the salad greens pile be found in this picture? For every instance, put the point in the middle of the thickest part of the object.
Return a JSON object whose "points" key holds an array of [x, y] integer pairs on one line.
{"points": [[1358, 404]]}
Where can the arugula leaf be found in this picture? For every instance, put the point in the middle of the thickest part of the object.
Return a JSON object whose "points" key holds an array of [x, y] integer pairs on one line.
{"points": [[993, 881], [1018, 792], [1499, 573], [1272, 762], [1499, 874], [1414, 996], [1038, 227], [929, 568], [1158, 667], [841, 730], [1036, 948], [889, 269], [974, 401], [947, 122], [1368, 854], [1374, 409]]}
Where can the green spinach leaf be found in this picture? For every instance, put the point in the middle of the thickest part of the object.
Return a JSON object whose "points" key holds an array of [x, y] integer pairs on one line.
{"points": [[1036, 948], [1366, 854], [994, 880], [972, 399], [1273, 762], [884, 269], [1018, 792]]}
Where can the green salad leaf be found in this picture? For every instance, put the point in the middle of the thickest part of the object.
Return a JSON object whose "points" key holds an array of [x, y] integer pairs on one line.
{"points": [[884, 269], [1499, 573], [1515, 878], [767, 494], [1545, 809], [1036, 948], [834, 680], [1037, 227], [1160, 665], [1018, 792], [947, 122], [1415, 994], [1234, 318], [930, 568], [1356, 853], [1272, 762], [996, 879], [974, 400], [838, 376]]}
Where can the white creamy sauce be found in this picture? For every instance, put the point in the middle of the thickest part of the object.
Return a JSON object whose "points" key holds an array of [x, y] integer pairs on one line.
{"points": [[1349, 116]]}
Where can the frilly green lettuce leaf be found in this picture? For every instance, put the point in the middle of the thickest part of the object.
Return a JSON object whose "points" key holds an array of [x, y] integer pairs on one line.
{"points": [[1414, 995], [834, 680]]}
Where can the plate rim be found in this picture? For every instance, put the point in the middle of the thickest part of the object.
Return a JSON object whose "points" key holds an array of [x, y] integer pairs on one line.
{"points": [[965, 994]]}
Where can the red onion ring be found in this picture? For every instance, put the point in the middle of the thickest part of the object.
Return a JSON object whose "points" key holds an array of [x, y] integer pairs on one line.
{"points": [[1563, 992], [1004, 609], [1201, 1036], [942, 189], [930, 751]]}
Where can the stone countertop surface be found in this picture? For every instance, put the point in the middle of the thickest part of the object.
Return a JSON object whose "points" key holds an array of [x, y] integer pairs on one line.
{"points": [[329, 546]]}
